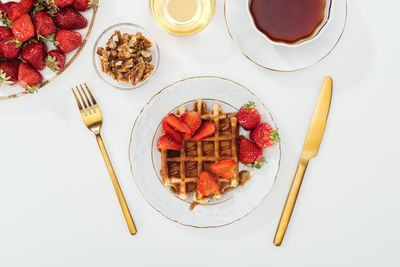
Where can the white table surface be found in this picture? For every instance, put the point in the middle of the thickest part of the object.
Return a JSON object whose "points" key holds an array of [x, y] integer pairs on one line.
{"points": [[58, 208]]}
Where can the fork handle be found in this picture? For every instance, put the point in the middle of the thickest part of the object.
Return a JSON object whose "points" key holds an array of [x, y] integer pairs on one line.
{"points": [[290, 202], [117, 188]]}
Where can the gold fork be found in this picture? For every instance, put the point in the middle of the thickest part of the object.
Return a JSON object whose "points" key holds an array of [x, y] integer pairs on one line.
{"points": [[93, 119]]}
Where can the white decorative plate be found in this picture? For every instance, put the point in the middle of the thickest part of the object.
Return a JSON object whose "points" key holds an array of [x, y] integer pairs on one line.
{"points": [[145, 159]]}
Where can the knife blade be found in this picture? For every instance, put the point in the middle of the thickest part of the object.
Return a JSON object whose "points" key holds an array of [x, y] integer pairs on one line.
{"points": [[310, 149], [318, 122]]}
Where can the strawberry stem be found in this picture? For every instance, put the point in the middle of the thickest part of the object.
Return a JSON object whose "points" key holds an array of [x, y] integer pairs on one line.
{"points": [[31, 89], [6, 21], [37, 7], [93, 3], [274, 136], [51, 4], [17, 42], [4, 79], [250, 105], [48, 39], [257, 164], [52, 63]]}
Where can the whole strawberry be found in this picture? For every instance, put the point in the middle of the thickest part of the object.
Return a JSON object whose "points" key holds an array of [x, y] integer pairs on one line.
{"points": [[62, 3], [9, 71], [9, 48], [68, 18], [83, 5], [5, 7], [248, 117], [28, 77], [68, 40], [55, 60], [35, 53], [5, 32], [250, 154], [44, 23], [23, 28], [264, 135], [17, 10]]}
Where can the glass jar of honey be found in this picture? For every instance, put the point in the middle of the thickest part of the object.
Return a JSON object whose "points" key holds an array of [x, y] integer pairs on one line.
{"points": [[182, 17]]}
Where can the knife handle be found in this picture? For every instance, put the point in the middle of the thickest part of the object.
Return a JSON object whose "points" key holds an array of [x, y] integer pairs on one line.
{"points": [[290, 202]]}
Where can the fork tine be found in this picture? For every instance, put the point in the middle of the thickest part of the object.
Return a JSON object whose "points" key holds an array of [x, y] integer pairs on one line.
{"points": [[77, 100], [87, 99], [83, 100], [90, 94]]}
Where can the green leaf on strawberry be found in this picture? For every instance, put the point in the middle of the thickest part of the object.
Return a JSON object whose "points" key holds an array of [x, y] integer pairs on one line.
{"points": [[17, 42], [274, 136], [6, 20], [250, 105], [4, 78], [31, 89], [257, 164]]}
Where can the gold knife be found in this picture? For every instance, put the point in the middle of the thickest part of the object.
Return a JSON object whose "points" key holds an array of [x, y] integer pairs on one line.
{"points": [[310, 150]]}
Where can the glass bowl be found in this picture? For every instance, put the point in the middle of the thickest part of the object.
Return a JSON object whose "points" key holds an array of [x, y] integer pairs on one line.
{"points": [[103, 39], [182, 28]]}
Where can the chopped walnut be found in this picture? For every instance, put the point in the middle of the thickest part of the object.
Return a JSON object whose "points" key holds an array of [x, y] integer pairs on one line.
{"points": [[126, 58]]}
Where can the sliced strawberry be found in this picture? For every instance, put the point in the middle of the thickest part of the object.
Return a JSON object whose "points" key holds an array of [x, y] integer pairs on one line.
{"points": [[177, 136], [224, 168], [176, 123], [207, 129], [193, 120], [207, 184], [166, 142], [187, 136]]}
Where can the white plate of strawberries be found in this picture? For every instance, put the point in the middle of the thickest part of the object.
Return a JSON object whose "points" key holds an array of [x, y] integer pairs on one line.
{"points": [[39, 39], [259, 151]]}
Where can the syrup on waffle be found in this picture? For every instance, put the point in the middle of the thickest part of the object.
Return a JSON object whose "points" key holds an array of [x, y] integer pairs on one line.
{"points": [[181, 169]]}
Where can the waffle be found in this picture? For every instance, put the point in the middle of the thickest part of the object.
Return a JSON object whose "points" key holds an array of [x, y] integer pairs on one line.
{"points": [[181, 169]]}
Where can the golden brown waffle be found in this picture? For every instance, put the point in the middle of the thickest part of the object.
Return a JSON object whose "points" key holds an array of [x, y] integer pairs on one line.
{"points": [[181, 169]]}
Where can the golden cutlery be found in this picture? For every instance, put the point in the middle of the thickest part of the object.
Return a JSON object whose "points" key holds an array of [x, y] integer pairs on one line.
{"points": [[310, 149], [93, 119]]}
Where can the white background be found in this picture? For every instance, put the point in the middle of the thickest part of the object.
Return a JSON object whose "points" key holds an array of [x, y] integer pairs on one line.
{"points": [[58, 208]]}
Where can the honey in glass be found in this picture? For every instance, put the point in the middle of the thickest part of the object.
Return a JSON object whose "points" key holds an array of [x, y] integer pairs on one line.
{"points": [[182, 17]]}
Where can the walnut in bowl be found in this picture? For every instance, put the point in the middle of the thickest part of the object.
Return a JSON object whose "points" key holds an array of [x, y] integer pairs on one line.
{"points": [[125, 56]]}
